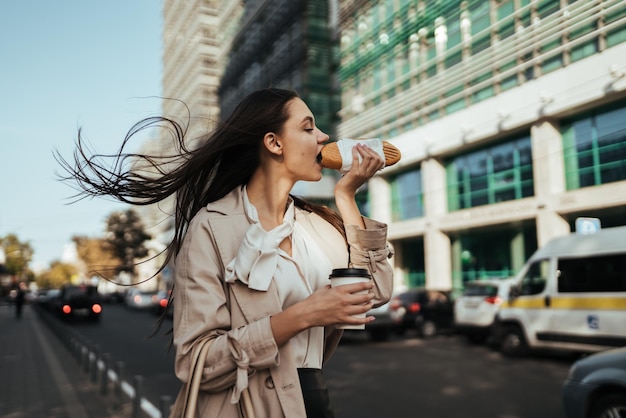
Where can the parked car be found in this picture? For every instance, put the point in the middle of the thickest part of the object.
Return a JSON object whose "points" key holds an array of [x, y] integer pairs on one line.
{"points": [[76, 302], [427, 311], [476, 309], [161, 303], [386, 322], [596, 386], [46, 297], [139, 299]]}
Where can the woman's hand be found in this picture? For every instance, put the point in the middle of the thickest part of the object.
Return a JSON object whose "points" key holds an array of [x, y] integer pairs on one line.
{"points": [[362, 170], [337, 305], [326, 306]]}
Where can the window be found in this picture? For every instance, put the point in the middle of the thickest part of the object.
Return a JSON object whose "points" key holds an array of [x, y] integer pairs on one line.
{"points": [[479, 15], [484, 92], [506, 18], [500, 173], [534, 281], [407, 196], [593, 274], [595, 148], [480, 290]]}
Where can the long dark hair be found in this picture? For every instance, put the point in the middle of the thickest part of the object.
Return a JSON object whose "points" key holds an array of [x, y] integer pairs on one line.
{"points": [[225, 159]]}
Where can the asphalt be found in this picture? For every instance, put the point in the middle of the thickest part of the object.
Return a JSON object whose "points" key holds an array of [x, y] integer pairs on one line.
{"points": [[39, 376]]}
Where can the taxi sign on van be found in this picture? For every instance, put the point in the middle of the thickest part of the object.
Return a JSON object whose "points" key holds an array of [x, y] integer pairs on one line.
{"points": [[586, 226]]}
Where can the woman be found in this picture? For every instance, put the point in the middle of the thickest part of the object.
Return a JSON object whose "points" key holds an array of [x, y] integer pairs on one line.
{"points": [[252, 262]]}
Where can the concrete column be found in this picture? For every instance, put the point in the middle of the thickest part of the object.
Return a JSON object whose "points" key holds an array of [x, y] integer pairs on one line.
{"points": [[456, 264], [549, 179], [437, 251], [518, 258], [437, 258], [548, 165], [550, 225], [434, 187], [380, 199]]}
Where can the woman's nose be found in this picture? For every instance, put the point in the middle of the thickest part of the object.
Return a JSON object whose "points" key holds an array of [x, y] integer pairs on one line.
{"points": [[322, 137]]}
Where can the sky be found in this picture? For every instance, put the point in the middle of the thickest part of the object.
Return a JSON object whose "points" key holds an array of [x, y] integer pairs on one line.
{"points": [[63, 65]]}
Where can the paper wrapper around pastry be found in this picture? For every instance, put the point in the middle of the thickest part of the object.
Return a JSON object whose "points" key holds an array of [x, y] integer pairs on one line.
{"points": [[331, 158]]}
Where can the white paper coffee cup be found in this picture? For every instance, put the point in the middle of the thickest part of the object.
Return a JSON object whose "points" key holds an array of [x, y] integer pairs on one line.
{"points": [[339, 277]]}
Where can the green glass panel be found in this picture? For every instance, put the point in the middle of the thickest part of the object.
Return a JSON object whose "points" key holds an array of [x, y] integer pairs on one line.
{"points": [[614, 14], [584, 50], [494, 174], [407, 195], [505, 9], [547, 7], [616, 36], [453, 191], [483, 94], [552, 64], [479, 15], [455, 106]]}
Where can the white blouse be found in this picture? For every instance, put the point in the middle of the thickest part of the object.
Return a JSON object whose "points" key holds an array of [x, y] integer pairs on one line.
{"points": [[260, 260]]}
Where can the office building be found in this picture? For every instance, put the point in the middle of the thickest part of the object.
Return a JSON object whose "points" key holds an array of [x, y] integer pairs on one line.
{"points": [[511, 118], [197, 35]]}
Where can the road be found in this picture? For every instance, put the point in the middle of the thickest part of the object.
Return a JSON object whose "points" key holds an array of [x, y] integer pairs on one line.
{"points": [[442, 377], [405, 376], [125, 334]]}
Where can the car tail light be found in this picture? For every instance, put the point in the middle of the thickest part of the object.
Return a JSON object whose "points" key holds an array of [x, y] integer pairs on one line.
{"points": [[96, 308], [67, 309], [137, 299], [494, 300], [414, 307], [163, 303]]}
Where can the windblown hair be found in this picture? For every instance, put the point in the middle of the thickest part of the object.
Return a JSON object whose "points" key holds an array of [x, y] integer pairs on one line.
{"points": [[226, 159]]}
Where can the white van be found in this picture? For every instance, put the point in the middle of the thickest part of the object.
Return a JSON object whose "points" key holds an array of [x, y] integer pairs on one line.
{"points": [[570, 295]]}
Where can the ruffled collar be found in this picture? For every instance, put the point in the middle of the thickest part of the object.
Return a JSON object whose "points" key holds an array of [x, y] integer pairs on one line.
{"points": [[258, 254]]}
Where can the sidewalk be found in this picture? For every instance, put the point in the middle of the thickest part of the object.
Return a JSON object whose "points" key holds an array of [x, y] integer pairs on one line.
{"points": [[39, 377]]}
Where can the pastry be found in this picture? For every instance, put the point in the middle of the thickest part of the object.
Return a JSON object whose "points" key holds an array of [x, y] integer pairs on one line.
{"points": [[330, 157]]}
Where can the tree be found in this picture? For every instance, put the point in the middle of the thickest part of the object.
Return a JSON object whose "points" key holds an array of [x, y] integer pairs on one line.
{"points": [[96, 254], [17, 255], [57, 275], [127, 238]]}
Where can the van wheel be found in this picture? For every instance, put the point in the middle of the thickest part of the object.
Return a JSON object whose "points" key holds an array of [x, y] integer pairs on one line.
{"points": [[513, 343], [611, 405]]}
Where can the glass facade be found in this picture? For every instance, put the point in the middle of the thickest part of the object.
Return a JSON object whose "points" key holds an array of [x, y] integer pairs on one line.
{"points": [[407, 196], [594, 147], [413, 266], [392, 47], [485, 254], [496, 174], [284, 44]]}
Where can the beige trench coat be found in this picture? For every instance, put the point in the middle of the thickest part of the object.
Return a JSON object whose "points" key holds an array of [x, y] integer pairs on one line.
{"points": [[244, 351]]}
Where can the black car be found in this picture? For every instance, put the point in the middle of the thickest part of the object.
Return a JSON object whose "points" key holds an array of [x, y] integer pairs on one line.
{"points": [[427, 311], [77, 302], [596, 386]]}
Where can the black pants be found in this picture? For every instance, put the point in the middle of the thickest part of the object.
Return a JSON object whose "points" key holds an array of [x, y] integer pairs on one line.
{"points": [[315, 392]]}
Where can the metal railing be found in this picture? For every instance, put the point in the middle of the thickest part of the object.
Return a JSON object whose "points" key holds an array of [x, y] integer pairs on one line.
{"points": [[109, 375]]}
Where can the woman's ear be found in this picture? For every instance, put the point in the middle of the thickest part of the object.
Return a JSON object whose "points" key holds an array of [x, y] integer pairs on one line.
{"points": [[273, 144]]}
